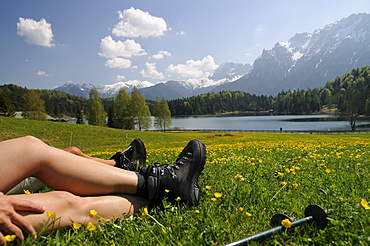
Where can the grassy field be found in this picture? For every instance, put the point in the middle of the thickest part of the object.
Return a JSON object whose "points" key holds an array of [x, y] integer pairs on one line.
{"points": [[257, 175]]}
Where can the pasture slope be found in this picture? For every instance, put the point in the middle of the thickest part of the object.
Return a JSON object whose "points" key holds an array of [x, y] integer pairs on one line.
{"points": [[248, 178]]}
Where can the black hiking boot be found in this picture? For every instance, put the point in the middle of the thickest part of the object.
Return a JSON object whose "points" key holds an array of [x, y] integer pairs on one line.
{"points": [[177, 182], [133, 158]]}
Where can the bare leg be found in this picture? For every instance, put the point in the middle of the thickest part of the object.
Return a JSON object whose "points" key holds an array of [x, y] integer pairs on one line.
{"points": [[28, 156], [77, 151], [71, 208]]}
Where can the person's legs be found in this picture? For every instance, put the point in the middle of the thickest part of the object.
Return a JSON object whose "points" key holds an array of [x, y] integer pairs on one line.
{"points": [[77, 151], [30, 157], [71, 208], [60, 170]]}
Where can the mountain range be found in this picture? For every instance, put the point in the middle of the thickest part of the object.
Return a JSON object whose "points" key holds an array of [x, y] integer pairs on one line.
{"points": [[307, 60]]}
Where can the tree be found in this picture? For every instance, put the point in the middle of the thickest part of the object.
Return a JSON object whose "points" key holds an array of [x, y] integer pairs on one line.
{"points": [[353, 106], [6, 106], [33, 106], [140, 110], [95, 109], [79, 115], [122, 111], [162, 114], [111, 118]]}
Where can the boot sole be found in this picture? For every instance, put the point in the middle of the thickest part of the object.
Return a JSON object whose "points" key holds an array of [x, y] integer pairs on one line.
{"points": [[195, 192], [140, 154]]}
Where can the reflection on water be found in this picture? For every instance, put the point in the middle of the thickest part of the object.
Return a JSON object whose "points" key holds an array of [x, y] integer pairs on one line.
{"points": [[267, 122]]}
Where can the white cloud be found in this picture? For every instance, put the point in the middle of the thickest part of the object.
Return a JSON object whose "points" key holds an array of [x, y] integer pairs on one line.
{"points": [[181, 33], [161, 54], [259, 28], [137, 23], [151, 72], [192, 69], [120, 77], [43, 74], [120, 63], [112, 49], [35, 32]]}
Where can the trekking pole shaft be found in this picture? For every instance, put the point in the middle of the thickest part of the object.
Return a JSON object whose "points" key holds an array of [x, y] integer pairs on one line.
{"points": [[270, 232]]}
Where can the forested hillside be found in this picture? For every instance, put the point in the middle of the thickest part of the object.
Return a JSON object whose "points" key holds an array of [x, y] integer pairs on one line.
{"points": [[57, 104], [348, 95], [336, 96]]}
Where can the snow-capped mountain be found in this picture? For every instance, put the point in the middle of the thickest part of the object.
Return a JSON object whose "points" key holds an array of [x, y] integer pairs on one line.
{"points": [[225, 73], [309, 60], [105, 91]]}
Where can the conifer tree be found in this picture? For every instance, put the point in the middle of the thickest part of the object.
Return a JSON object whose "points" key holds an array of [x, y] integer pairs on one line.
{"points": [[140, 110], [79, 115], [33, 107], [162, 114], [122, 111], [111, 118], [6, 106], [95, 109]]}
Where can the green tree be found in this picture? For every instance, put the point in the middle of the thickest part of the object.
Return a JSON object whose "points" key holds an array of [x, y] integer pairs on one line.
{"points": [[353, 106], [367, 106], [95, 109], [122, 111], [140, 110], [33, 106], [162, 114], [111, 117], [79, 116], [6, 106]]}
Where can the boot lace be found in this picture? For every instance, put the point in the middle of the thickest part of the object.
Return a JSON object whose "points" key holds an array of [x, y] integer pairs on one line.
{"points": [[162, 166]]}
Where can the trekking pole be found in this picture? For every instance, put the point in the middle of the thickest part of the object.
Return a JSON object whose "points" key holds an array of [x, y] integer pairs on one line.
{"points": [[313, 213]]}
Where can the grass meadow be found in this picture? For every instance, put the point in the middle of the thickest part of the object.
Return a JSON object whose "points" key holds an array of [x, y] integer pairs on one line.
{"points": [[248, 178]]}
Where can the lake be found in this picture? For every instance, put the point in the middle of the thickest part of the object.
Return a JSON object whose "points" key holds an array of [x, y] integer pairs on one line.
{"points": [[264, 123], [267, 123]]}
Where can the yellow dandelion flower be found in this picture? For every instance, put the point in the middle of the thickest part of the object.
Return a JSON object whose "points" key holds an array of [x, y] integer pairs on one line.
{"points": [[145, 212], [218, 195], [286, 223], [358, 164], [238, 176], [92, 213], [284, 183], [208, 187], [90, 226], [166, 190], [280, 174], [241, 209], [76, 225], [197, 211], [178, 199], [260, 160], [26, 192], [248, 214], [51, 214], [327, 170], [164, 231], [10, 238], [295, 185], [364, 204], [213, 199]]}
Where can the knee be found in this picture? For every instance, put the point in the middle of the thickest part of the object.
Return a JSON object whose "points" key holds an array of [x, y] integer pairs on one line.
{"points": [[30, 140], [68, 199], [73, 150]]}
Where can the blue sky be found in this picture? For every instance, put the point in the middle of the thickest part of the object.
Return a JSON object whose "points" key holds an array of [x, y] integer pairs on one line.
{"points": [[47, 43]]}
